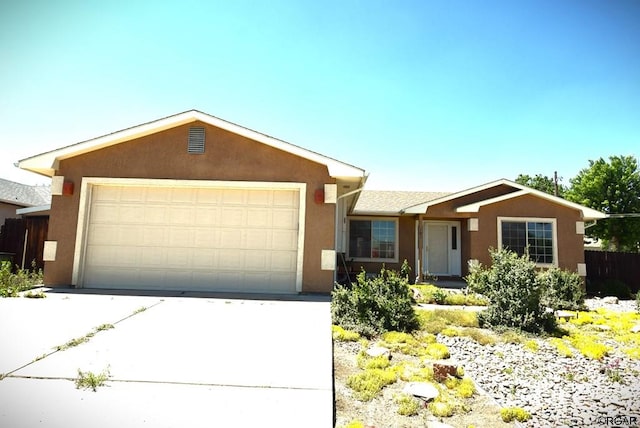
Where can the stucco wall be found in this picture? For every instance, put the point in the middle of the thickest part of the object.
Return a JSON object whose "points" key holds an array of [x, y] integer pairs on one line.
{"points": [[8, 211], [164, 156]]}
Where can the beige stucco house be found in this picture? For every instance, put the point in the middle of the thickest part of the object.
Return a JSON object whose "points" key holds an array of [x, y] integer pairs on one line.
{"points": [[193, 202]]}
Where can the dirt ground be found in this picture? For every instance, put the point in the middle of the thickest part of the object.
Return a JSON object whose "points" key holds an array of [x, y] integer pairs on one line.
{"points": [[381, 412]]}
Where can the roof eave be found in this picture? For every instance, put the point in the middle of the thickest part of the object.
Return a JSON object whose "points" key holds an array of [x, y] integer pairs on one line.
{"points": [[47, 163]]}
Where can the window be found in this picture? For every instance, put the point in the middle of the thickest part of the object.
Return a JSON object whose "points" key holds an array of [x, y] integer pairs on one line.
{"points": [[373, 239], [538, 235]]}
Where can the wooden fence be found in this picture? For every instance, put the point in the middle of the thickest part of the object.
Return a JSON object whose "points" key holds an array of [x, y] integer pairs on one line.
{"points": [[12, 240], [603, 265]]}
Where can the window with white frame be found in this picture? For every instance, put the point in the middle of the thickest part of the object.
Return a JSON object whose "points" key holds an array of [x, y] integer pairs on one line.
{"points": [[373, 239], [535, 235]]}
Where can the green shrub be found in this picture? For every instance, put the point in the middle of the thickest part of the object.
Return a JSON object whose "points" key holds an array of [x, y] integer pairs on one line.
{"points": [[375, 305], [511, 283], [13, 283], [562, 289]]}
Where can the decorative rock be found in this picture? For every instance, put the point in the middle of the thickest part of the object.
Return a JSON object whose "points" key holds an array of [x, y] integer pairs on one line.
{"points": [[376, 351], [423, 390], [610, 300], [566, 314], [441, 371], [635, 328]]}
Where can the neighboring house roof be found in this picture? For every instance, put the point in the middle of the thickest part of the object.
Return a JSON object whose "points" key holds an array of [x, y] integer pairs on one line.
{"points": [[391, 202], [377, 202], [24, 195], [47, 163]]}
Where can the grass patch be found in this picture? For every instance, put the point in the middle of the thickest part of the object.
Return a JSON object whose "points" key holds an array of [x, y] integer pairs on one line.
{"points": [[430, 294], [368, 383], [441, 409], [434, 321], [509, 414], [366, 362], [561, 346], [437, 351], [89, 380], [343, 335], [588, 346], [532, 345]]}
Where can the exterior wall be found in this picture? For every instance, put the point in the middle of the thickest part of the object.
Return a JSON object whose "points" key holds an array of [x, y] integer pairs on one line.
{"points": [[8, 211], [164, 156], [570, 244]]}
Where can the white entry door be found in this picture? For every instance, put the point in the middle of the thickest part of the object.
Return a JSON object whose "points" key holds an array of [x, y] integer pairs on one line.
{"points": [[441, 250]]}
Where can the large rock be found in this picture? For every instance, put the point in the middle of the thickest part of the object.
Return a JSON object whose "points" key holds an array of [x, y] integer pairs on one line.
{"points": [[610, 300], [441, 371], [424, 390], [376, 351]]}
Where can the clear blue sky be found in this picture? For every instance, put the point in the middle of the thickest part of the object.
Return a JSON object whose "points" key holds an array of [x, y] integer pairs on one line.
{"points": [[424, 95]]}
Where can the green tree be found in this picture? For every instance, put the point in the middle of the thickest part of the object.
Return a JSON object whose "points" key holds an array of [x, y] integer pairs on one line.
{"points": [[612, 187], [542, 183]]}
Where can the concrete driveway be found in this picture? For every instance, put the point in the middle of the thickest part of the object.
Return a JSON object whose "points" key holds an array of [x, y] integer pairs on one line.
{"points": [[172, 362]]}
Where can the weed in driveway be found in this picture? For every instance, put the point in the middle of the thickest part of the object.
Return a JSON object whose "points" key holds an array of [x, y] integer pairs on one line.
{"points": [[35, 294], [73, 342], [103, 327], [91, 380]]}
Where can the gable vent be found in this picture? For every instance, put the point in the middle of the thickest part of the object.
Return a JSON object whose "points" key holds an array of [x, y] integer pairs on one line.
{"points": [[196, 140]]}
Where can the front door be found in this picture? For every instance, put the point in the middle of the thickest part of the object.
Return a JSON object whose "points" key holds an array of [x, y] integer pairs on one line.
{"points": [[441, 251]]}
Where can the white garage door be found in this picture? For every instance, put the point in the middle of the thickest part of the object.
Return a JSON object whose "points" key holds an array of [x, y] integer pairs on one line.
{"points": [[218, 239]]}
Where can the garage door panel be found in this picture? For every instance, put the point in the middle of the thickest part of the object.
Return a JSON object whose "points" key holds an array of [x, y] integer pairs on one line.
{"points": [[180, 215], [285, 218], [284, 239], [231, 238], [258, 239], [155, 214], [157, 194], [286, 198], [232, 216], [283, 261], [153, 256], [181, 237], [259, 217], [192, 238], [231, 260]]}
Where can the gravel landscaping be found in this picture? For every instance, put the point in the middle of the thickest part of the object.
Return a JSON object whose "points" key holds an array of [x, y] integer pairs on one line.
{"points": [[558, 391]]}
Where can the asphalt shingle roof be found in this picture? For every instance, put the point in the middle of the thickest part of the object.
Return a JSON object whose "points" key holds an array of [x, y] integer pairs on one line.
{"points": [[24, 194], [392, 201]]}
